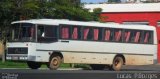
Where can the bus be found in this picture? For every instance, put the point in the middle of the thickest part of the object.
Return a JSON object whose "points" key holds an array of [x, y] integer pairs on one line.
{"points": [[56, 41]]}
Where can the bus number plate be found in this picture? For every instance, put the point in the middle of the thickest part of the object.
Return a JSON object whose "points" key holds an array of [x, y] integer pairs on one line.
{"points": [[15, 58]]}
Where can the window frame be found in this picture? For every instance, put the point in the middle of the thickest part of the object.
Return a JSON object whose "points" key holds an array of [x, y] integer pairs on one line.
{"points": [[102, 34], [133, 31], [46, 39], [69, 30], [152, 36]]}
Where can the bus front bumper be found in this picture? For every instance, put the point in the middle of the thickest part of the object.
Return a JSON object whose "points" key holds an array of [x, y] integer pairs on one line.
{"points": [[17, 57], [21, 57]]}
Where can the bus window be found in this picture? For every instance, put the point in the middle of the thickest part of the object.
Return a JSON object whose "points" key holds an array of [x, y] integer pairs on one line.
{"points": [[46, 33], [87, 34], [65, 32], [127, 35], [135, 36], [96, 33], [108, 34], [76, 34], [118, 35], [148, 37]]}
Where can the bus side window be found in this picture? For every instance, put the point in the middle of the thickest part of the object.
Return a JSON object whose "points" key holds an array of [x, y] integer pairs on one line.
{"points": [[136, 36], [50, 31], [148, 37], [40, 31], [127, 35], [118, 35], [87, 34], [107, 35], [64, 31], [96, 33], [75, 33], [46, 33]]}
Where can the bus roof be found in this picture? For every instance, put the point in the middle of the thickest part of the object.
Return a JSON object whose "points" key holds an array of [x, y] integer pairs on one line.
{"points": [[83, 23]]}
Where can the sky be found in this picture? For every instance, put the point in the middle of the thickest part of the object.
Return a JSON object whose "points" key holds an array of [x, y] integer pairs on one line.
{"points": [[93, 1]]}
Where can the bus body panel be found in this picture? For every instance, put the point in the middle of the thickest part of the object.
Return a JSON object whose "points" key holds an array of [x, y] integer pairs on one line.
{"points": [[139, 59], [88, 58], [99, 47], [84, 52], [88, 54]]}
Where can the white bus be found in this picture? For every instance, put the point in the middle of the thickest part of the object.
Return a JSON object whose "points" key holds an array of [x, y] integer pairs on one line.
{"points": [[55, 41]]}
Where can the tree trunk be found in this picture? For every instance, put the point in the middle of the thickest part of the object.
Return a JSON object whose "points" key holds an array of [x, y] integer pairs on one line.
{"points": [[72, 65], [2, 52]]}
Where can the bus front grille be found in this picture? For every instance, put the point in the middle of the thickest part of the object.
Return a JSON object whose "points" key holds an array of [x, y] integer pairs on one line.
{"points": [[22, 50]]}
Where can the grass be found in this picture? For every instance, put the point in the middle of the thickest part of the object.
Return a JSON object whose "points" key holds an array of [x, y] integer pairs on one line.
{"points": [[11, 64]]}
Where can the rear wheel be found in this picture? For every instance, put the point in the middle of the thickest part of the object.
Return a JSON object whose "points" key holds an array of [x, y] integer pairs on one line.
{"points": [[55, 62], [33, 65], [97, 66], [117, 63]]}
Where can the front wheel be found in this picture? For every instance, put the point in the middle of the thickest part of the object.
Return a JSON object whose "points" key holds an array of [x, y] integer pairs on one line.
{"points": [[33, 65], [117, 63], [55, 62]]}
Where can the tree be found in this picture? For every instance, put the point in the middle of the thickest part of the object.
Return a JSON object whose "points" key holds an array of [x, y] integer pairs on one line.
{"points": [[12, 10], [96, 14], [64, 9], [114, 1]]}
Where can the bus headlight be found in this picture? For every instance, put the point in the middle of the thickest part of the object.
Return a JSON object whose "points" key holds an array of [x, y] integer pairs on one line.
{"points": [[9, 58], [23, 58]]}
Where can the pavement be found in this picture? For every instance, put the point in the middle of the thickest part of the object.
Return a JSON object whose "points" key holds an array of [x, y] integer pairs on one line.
{"points": [[155, 67], [76, 74], [127, 72]]}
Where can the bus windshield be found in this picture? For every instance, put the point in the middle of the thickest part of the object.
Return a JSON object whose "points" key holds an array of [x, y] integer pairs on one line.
{"points": [[23, 32]]}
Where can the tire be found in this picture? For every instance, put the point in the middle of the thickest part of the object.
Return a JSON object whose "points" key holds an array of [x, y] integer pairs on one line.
{"points": [[97, 66], [33, 65], [117, 63], [54, 62]]}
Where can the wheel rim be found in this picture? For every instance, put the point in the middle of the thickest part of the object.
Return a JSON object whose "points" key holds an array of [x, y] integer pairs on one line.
{"points": [[118, 63], [55, 62]]}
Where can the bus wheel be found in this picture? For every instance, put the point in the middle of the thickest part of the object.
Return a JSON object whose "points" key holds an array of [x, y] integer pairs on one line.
{"points": [[33, 65], [117, 63], [55, 62], [97, 66]]}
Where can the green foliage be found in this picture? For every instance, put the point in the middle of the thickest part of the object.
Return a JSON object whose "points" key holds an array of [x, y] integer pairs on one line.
{"points": [[114, 1], [12, 10], [96, 14], [31, 9], [18, 64]]}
